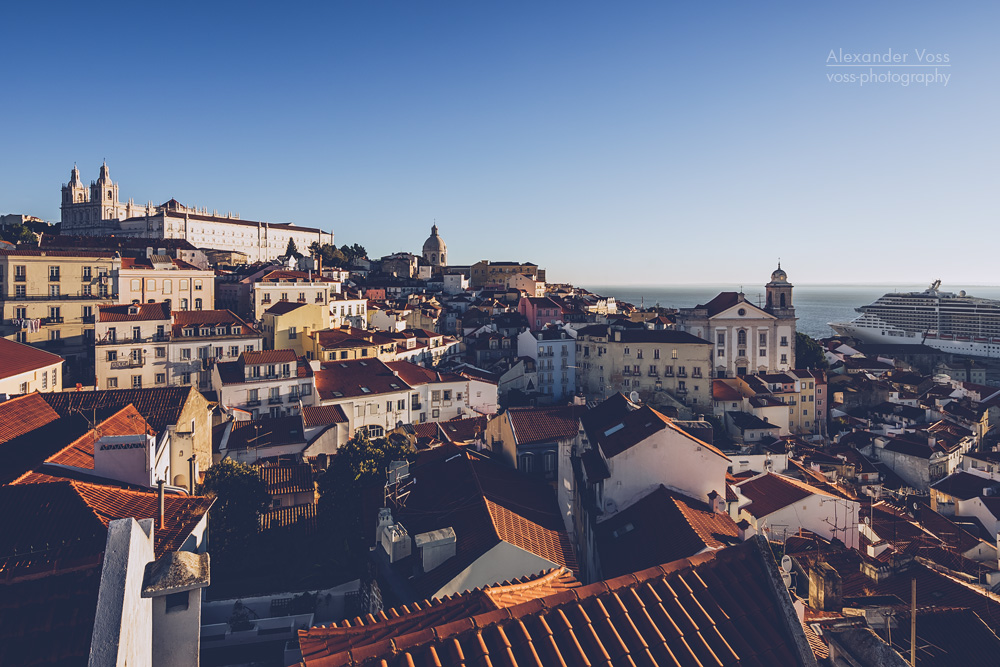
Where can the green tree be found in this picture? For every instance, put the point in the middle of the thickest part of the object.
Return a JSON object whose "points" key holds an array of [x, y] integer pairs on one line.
{"points": [[358, 464], [330, 254], [240, 498], [17, 233], [291, 250], [809, 353]]}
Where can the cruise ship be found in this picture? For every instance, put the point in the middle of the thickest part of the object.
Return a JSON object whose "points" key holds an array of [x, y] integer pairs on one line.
{"points": [[956, 323]]}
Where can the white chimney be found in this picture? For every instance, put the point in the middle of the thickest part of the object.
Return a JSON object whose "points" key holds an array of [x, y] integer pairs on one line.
{"points": [[384, 519], [396, 542], [435, 547]]}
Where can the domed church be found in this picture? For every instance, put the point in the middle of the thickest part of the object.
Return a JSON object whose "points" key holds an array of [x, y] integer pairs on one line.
{"points": [[435, 251]]}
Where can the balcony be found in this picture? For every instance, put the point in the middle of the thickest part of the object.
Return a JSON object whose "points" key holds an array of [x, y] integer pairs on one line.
{"points": [[417, 406], [52, 320], [62, 297], [54, 277], [127, 363], [274, 400], [653, 374], [20, 278], [88, 319], [253, 404]]}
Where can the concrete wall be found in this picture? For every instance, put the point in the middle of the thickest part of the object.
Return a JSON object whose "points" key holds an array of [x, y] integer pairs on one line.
{"points": [[818, 513], [502, 562], [669, 458], [176, 632], [123, 625]]}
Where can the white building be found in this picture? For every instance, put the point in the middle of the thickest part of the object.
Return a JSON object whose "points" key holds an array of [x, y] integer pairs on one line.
{"points": [[554, 352], [147, 345], [348, 308], [267, 383], [373, 397], [440, 396], [97, 211], [25, 369], [297, 286], [160, 278], [747, 338]]}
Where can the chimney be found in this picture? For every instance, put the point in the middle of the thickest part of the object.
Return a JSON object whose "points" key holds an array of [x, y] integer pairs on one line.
{"points": [[716, 502], [746, 530], [163, 503], [191, 473], [825, 588]]}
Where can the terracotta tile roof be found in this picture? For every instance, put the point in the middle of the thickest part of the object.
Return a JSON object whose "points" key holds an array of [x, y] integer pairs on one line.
{"points": [[265, 432], [426, 614], [47, 527], [661, 527], [323, 414], [617, 425], [963, 485], [160, 406], [722, 391], [347, 379], [414, 375], [17, 358], [143, 312], [547, 424], [80, 452], [280, 479], [24, 414], [454, 430], [49, 620], [283, 307], [770, 492], [28, 451], [300, 515], [268, 357], [208, 318], [721, 608], [485, 503]]}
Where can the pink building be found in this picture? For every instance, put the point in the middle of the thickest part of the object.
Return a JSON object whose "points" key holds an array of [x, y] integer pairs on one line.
{"points": [[539, 311]]}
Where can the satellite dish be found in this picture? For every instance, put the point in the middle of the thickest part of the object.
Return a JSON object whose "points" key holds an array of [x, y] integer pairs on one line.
{"points": [[786, 564], [786, 578], [868, 521], [916, 506], [634, 397]]}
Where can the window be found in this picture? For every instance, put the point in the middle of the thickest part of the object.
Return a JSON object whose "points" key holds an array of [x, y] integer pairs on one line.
{"points": [[19, 291], [668, 370], [177, 601], [186, 354], [197, 304], [763, 352], [197, 285], [20, 313], [763, 339], [656, 353], [137, 382], [248, 348], [24, 388], [161, 378], [53, 273], [673, 354], [161, 352], [292, 333], [784, 341], [168, 286], [55, 335], [305, 390], [86, 290], [681, 371], [135, 284], [436, 395], [53, 290], [184, 304], [20, 273], [784, 358], [102, 290], [549, 462], [447, 394], [136, 355], [401, 404], [435, 413], [525, 462], [720, 338], [150, 284], [234, 351], [185, 378], [627, 351], [184, 283], [253, 396], [741, 337], [45, 380], [112, 383]]}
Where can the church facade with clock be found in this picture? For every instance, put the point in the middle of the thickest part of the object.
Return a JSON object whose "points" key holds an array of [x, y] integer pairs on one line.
{"points": [[747, 338]]}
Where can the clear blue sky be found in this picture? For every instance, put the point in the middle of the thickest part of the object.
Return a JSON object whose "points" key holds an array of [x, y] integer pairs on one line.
{"points": [[610, 142]]}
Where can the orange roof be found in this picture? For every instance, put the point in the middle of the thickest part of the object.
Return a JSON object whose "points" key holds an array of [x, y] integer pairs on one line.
{"points": [[17, 358], [770, 492], [721, 608], [723, 391], [269, 357], [24, 414], [142, 312], [322, 415], [532, 425], [414, 375], [80, 452], [424, 614], [208, 318]]}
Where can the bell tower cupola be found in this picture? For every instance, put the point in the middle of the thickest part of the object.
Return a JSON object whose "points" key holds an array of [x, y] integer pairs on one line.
{"points": [[779, 294]]}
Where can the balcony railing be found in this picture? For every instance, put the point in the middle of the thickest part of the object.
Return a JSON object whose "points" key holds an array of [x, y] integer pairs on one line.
{"points": [[253, 404], [274, 400], [125, 340], [52, 320], [61, 297], [88, 319], [127, 363]]}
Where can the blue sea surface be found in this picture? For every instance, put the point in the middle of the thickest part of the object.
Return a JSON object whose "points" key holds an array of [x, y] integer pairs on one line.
{"points": [[815, 305]]}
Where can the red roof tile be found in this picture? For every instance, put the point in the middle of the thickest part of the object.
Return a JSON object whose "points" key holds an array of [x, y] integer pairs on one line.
{"points": [[142, 312], [533, 425], [770, 492], [722, 609], [340, 379], [160, 406], [661, 527], [283, 517], [24, 414], [208, 318], [322, 415], [17, 358], [268, 357], [280, 479], [415, 375]]}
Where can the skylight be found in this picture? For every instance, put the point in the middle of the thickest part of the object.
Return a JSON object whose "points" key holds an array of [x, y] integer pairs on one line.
{"points": [[614, 429]]}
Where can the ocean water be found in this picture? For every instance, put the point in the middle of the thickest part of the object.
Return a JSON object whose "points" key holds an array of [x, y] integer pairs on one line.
{"points": [[815, 305]]}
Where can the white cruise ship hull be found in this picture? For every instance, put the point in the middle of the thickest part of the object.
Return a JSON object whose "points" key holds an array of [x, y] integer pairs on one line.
{"points": [[950, 344]]}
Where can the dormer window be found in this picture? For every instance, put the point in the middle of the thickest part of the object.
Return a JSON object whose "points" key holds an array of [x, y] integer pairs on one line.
{"points": [[205, 331], [234, 330], [133, 310], [188, 331]]}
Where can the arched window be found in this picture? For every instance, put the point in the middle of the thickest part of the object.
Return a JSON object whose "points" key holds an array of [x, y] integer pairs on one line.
{"points": [[525, 462], [549, 462], [782, 300], [741, 337]]}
